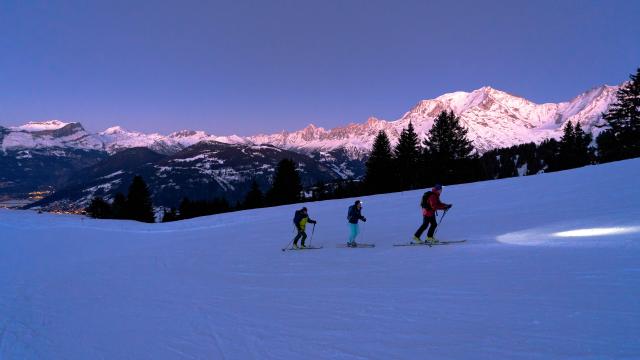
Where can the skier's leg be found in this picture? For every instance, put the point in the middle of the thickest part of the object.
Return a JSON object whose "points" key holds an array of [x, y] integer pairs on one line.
{"points": [[422, 227], [298, 236], [304, 237], [353, 232], [356, 231], [432, 228]]}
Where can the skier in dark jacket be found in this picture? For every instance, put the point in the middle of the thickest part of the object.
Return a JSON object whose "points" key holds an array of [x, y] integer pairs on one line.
{"points": [[354, 214], [430, 204], [300, 221]]}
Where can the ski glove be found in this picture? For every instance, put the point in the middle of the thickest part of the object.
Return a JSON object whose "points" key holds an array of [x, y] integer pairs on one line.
{"points": [[449, 206], [364, 219]]}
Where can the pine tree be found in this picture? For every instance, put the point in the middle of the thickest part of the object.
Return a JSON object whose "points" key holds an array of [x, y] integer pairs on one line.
{"points": [[139, 206], [119, 207], [574, 148], [379, 175], [286, 188], [547, 154], [447, 151], [99, 209], [407, 159], [254, 198], [582, 147], [170, 215], [608, 147], [622, 140], [566, 152], [185, 210]]}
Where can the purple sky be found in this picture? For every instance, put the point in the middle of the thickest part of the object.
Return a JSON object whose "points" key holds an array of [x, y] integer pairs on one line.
{"points": [[262, 66]]}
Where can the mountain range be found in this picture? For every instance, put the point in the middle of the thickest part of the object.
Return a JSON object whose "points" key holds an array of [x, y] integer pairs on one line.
{"points": [[46, 154]]}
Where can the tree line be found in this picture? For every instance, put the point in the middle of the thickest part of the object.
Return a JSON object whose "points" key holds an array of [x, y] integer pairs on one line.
{"points": [[286, 189], [444, 156], [447, 156], [137, 204]]}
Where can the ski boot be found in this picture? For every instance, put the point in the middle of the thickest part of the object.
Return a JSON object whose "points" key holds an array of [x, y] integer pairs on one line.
{"points": [[432, 240], [295, 246], [302, 246], [416, 240]]}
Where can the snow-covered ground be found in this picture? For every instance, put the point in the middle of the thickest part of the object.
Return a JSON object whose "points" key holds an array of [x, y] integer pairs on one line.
{"points": [[551, 271]]}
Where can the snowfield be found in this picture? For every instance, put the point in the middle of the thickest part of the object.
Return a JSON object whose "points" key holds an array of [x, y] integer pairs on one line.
{"points": [[551, 270]]}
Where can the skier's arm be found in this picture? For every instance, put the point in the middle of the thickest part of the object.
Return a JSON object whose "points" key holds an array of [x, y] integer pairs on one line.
{"points": [[436, 204]]}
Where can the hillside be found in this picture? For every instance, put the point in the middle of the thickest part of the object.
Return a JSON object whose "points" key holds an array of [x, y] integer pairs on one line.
{"points": [[550, 271], [494, 119], [202, 171]]}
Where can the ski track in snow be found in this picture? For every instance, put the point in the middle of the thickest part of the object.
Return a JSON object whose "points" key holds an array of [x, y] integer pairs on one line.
{"points": [[550, 271]]}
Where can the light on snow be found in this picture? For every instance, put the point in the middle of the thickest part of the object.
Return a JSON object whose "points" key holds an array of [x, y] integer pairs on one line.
{"points": [[598, 231]]}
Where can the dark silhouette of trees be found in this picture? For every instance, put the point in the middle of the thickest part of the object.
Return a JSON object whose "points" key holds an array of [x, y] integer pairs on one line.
{"points": [[287, 187], [447, 154], [379, 177], [254, 198], [136, 206], [119, 207], [99, 209], [574, 150], [622, 139], [139, 206], [407, 159]]}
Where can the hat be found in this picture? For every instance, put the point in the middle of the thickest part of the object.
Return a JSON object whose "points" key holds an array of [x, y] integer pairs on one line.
{"points": [[437, 187], [358, 202]]}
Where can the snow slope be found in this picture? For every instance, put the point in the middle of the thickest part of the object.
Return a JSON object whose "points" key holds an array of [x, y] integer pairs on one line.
{"points": [[550, 271]]}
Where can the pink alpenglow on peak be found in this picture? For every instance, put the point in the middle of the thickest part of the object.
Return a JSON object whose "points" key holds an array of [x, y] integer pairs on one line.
{"points": [[42, 125], [493, 117]]}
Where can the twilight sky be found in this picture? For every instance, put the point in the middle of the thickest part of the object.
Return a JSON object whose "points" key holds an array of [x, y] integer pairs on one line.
{"points": [[262, 66]]}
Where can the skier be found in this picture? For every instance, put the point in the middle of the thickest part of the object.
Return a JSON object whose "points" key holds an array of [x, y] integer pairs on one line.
{"points": [[300, 221], [430, 204], [353, 216]]}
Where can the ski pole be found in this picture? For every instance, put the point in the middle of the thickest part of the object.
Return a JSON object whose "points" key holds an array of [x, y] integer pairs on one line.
{"points": [[290, 241], [440, 222], [312, 231]]}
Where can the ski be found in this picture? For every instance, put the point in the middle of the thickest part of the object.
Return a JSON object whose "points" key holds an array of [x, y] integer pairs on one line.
{"points": [[358, 245], [430, 245], [413, 244], [304, 248], [447, 242]]}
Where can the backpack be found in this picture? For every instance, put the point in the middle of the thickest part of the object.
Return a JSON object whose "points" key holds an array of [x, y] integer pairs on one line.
{"points": [[298, 217], [425, 200], [350, 212]]}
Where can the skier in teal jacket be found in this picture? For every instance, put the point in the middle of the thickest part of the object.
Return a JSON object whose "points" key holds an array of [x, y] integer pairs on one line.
{"points": [[354, 214]]}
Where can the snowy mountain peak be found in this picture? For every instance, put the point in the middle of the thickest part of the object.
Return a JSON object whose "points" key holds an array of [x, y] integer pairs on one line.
{"points": [[187, 133], [493, 117], [312, 132], [33, 126], [372, 121], [114, 130]]}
